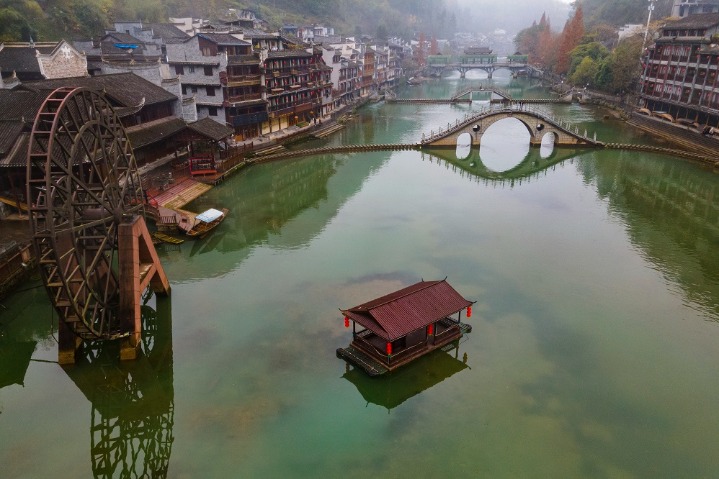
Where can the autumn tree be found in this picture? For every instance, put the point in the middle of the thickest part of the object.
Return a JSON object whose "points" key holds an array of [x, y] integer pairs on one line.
{"points": [[569, 39], [433, 48]]}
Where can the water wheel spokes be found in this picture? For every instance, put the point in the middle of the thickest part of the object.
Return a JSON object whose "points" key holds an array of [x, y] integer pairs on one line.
{"points": [[82, 182]]}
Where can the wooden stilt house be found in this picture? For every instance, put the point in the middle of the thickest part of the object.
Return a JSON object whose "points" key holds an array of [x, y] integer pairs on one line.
{"points": [[391, 331]]}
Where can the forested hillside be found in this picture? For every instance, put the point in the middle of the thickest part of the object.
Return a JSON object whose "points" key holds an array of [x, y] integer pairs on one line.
{"points": [[54, 19], [621, 12]]}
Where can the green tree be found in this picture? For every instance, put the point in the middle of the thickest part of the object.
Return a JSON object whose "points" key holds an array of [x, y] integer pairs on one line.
{"points": [[620, 71], [585, 72], [13, 26], [594, 50]]}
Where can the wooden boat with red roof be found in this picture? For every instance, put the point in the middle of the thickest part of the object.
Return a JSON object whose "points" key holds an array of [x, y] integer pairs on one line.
{"points": [[395, 329]]}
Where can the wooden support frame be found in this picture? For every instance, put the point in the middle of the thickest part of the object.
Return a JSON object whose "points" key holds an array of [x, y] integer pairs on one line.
{"points": [[139, 267]]}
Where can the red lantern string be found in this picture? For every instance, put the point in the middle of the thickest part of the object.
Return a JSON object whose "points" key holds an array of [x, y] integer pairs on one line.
{"points": [[469, 311], [347, 322], [389, 349], [430, 329]]}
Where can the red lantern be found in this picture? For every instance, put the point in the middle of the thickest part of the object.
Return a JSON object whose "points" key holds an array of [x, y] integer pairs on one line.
{"points": [[389, 349], [469, 311], [347, 322], [430, 329]]}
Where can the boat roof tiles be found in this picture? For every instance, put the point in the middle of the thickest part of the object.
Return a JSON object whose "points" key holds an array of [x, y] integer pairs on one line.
{"points": [[399, 313]]}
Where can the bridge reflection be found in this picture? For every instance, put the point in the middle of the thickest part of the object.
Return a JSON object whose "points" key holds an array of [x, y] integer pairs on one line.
{"points": [[131, 429], [530, 167]]}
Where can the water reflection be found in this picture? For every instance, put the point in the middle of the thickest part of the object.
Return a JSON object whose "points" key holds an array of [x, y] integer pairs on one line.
{"points": [[131, 423], [20, 338], [14, 359], [393, 389], [547, 146], [672, 214], [532, 166]]}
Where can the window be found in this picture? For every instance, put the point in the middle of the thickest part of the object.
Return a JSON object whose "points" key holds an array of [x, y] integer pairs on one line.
{"points": [[194, 89], [210, 91], [212, 110], [192, 69], [208, 71], [179, 70], [184, 90]]}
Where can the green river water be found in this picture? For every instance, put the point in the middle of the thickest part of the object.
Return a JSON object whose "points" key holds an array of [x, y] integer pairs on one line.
{"points": [[594, 353]]}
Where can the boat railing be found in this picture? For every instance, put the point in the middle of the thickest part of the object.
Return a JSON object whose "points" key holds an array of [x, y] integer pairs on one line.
{"points": [[364, 343], [406, 352], [362, 339], [447, 324]]}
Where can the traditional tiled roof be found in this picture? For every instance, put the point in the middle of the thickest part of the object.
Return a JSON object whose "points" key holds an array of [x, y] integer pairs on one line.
{"points": [[16, 156], [168, 32], [18, 112], [700, 20], [223, 39], [127, 89], [397, 314], [20, 104], [211, 129], [9, 131], [20, 59], [120, 38], [154, 131], [253, 34]]}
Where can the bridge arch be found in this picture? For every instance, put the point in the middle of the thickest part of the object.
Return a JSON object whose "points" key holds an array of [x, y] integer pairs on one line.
{"points": [[537, 125]]}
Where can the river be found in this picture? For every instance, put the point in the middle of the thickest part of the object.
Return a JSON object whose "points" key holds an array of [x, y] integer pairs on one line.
{"points": [[595, 342]]}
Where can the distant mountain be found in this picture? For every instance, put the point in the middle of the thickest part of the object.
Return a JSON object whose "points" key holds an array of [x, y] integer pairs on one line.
{"points": [[71, 19], [621, 12]]}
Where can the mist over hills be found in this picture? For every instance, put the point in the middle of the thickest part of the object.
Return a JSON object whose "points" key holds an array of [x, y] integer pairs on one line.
{"points": [[46, 20]]}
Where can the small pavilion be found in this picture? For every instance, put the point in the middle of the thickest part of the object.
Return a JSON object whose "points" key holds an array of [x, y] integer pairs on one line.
{"points": [[393, 330], [208, 143]]}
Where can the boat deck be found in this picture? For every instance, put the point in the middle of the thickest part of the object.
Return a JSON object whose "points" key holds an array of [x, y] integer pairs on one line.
{"points": [[360, 353]]}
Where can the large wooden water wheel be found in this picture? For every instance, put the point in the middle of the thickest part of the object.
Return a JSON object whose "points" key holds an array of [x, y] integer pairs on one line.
{"points": [[82, 186]]}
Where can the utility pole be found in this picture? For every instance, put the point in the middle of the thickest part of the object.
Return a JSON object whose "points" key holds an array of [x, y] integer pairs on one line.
{"points": [[649, 18]]}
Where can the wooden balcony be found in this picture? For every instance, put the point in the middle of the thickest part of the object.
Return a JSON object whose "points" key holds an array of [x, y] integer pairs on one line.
{"points": [[245, 80], [241, 98]]}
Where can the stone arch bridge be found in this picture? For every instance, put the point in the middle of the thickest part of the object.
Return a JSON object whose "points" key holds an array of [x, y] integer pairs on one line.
{"points": [[538, 125]]}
